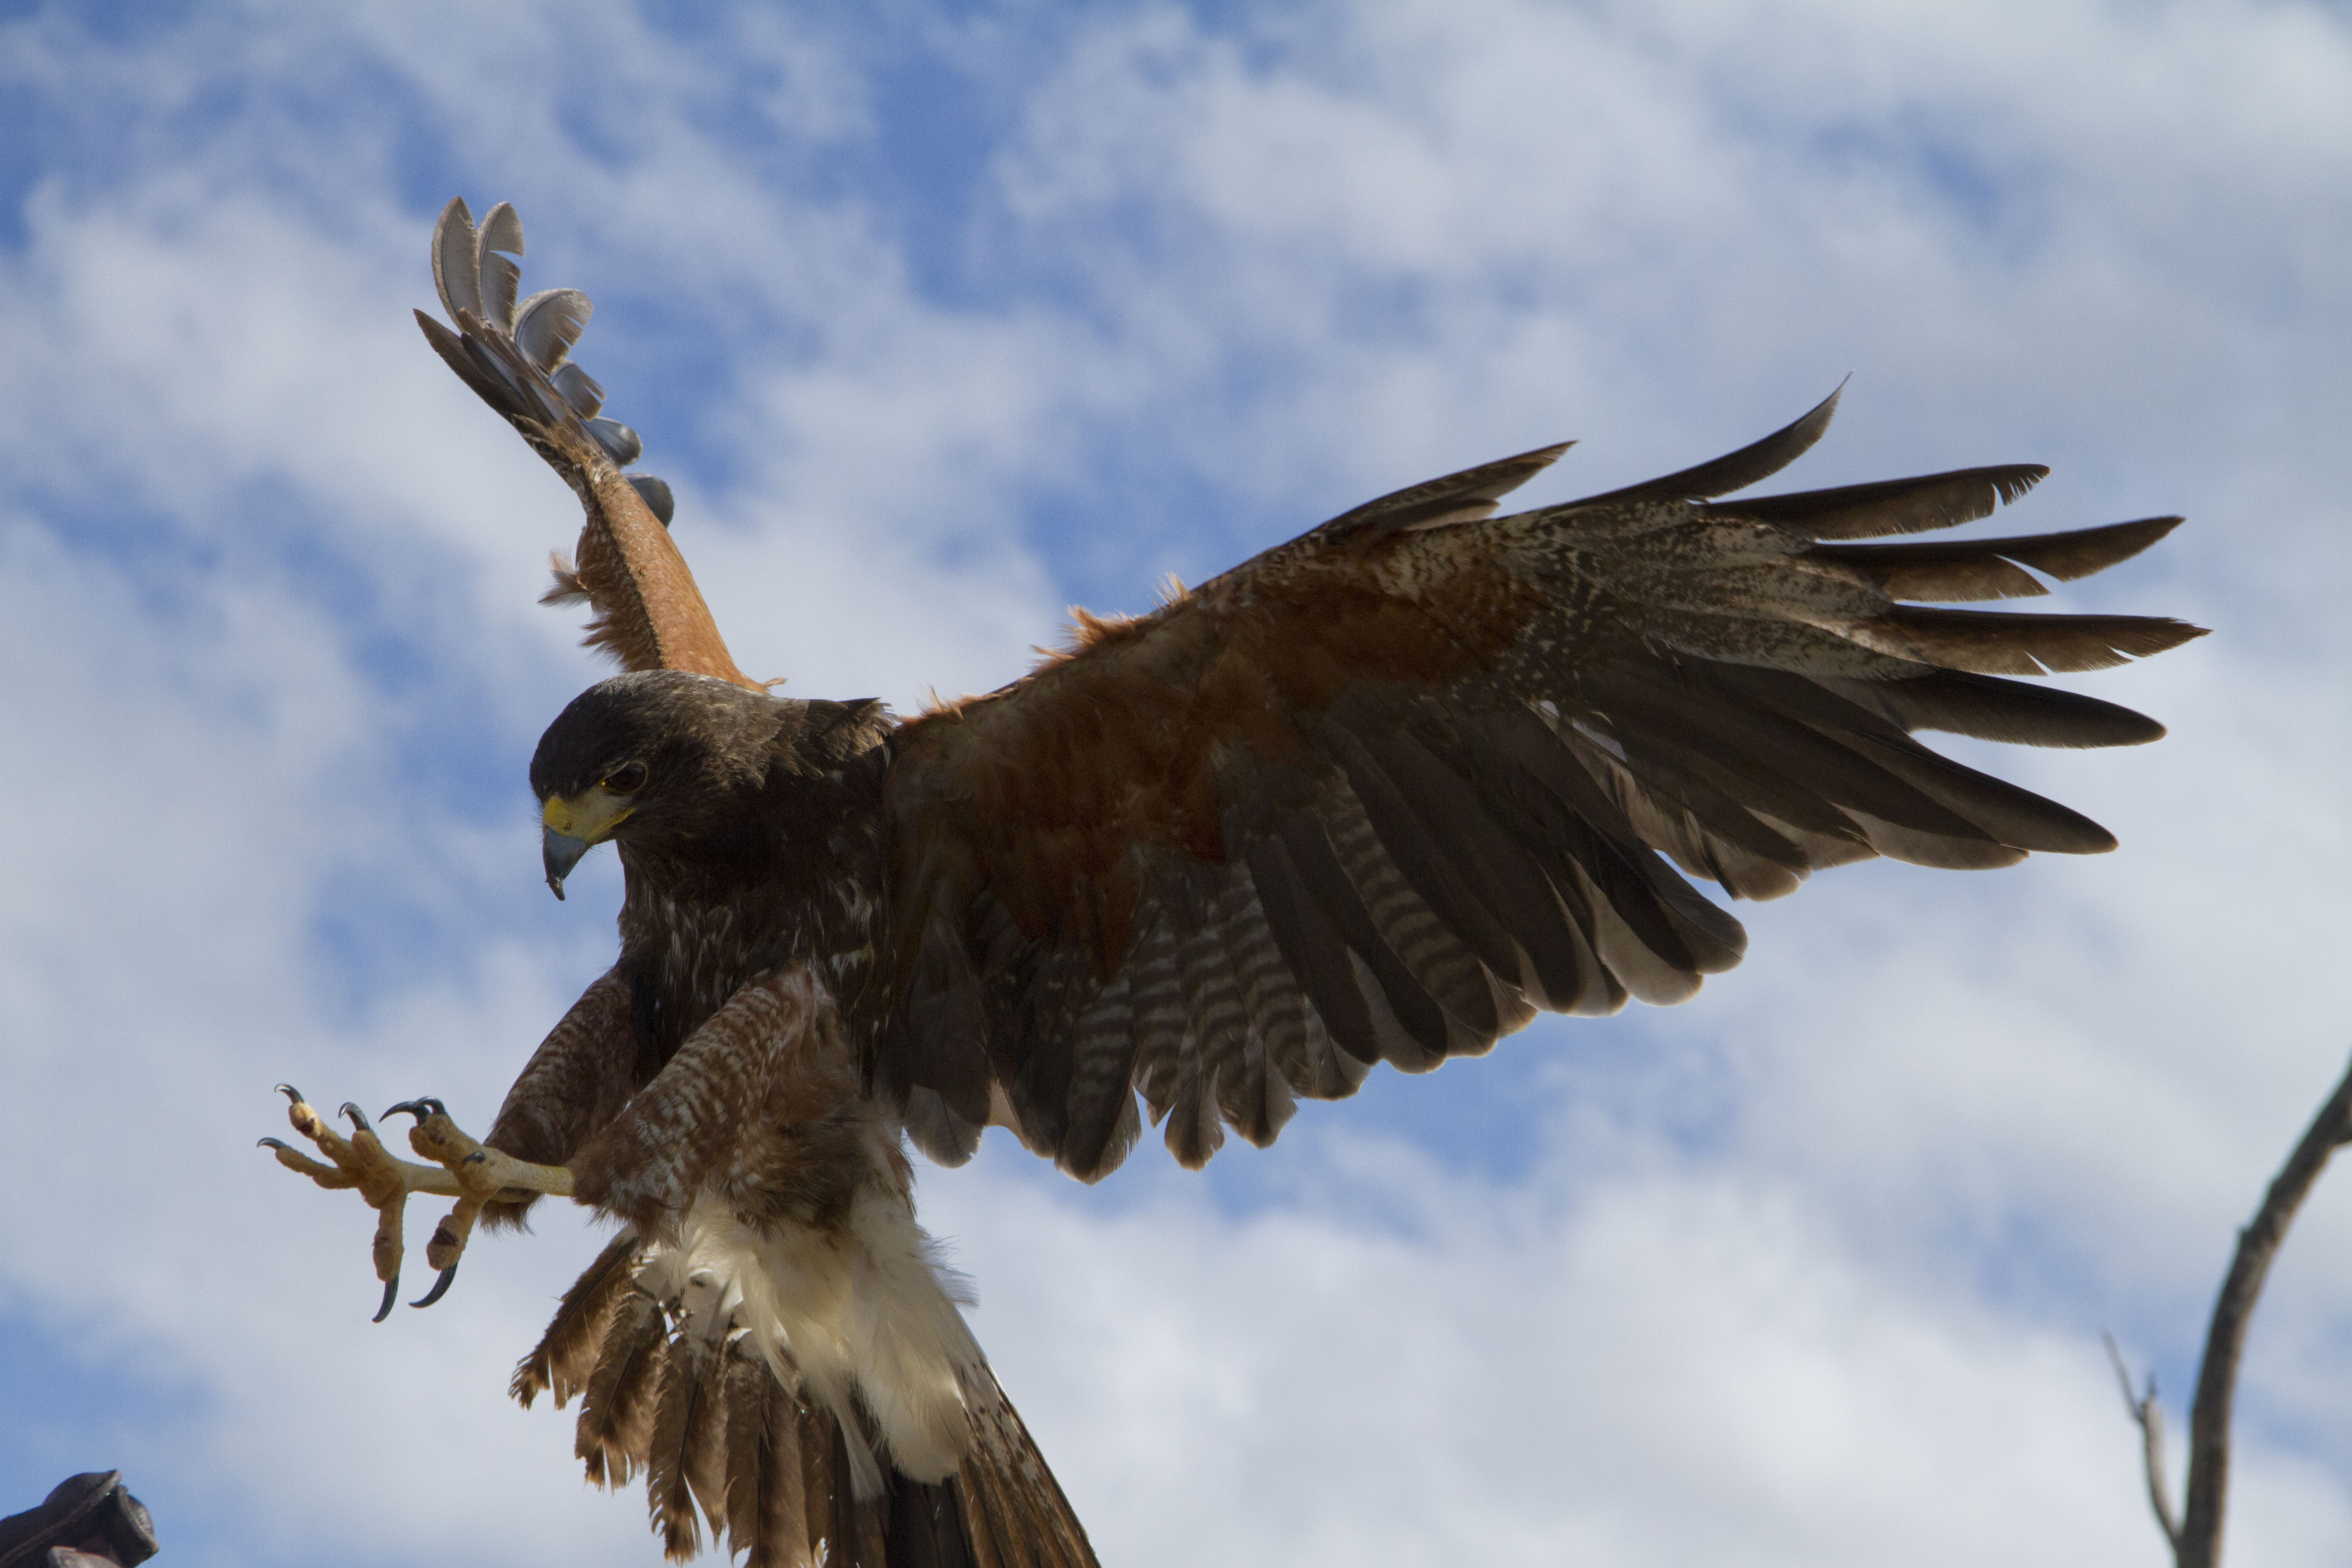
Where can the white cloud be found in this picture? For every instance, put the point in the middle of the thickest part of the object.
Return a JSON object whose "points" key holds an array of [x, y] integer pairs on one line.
{"points": [[1214, 278]]}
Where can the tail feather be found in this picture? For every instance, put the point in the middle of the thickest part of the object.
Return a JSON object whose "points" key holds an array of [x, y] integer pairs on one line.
{"points": [[566, 1357], [671, 1481], [828, 1494], [924, 1527], [1026, 1520], [767, 1515], [707, 1417], [689, 1462], [617, 1418]]}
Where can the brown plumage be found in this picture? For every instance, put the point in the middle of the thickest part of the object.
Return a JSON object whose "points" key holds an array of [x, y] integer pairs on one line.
{"points": [[617, 1410], [565, 1358], [1379, 794]]}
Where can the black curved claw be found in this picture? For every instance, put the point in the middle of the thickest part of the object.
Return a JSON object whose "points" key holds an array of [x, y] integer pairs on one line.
{"points": [[270, 1143], [420, 1108], [391, 1294], [359, 1118], [293, 1096], [440, 1289]]}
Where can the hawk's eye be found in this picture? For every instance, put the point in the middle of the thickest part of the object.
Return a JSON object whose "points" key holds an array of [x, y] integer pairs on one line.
{"points": [[627, 779]]}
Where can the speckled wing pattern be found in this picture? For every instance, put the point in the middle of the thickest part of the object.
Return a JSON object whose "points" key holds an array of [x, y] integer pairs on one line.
{"points": [[1384, 791]]}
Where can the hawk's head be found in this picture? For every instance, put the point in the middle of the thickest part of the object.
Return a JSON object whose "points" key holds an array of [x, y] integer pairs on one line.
{"points": [[662, 758]]}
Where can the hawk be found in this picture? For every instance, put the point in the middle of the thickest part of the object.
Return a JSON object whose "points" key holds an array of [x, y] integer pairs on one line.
{"points": [[1377, 795]]}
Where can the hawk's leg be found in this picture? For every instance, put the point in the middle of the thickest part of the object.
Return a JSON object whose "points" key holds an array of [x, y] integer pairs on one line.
{"points": [[465, 1169]]}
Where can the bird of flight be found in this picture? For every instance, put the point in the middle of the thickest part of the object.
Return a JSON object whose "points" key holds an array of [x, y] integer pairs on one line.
{"points": [[1378, 795]]}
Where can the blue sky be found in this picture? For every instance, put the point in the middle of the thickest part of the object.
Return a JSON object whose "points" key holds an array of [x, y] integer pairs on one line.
{"points": [[942, 318]]}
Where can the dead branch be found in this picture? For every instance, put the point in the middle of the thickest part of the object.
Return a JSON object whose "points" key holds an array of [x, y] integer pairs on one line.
{"points": [[2196, 1538], [2145, 1410]]}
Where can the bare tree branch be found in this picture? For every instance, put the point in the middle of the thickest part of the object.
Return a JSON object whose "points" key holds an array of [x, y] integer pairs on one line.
{"points": [[2195, 1540], [2145, 1410]]}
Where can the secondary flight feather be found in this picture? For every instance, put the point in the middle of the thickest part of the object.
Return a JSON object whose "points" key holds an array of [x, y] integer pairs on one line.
{"points": [[1379, 794]]}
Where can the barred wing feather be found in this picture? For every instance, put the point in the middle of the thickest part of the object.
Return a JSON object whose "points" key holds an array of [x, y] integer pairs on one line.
{"points": [[1383, 792]]}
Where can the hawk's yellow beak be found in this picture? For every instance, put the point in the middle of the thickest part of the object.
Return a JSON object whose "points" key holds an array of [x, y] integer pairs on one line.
{"points": [[571, 825]]}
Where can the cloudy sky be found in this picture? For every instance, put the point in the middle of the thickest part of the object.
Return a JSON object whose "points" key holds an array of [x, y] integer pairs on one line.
{"points": [[942, 318]]}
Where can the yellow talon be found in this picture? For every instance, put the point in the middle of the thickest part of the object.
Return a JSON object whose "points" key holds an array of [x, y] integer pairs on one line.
{"points": [[462, 1169]]}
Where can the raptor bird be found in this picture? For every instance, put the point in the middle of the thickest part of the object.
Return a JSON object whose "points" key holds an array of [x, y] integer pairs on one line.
{"points": [[1378, 795]]}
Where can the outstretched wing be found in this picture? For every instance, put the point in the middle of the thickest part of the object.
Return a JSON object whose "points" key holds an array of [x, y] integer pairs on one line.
{"points": [[1382, 791], [648, 614]]}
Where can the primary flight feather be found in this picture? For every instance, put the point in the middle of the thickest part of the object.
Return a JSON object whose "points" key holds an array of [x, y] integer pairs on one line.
{"points": [[1378, 795]]}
